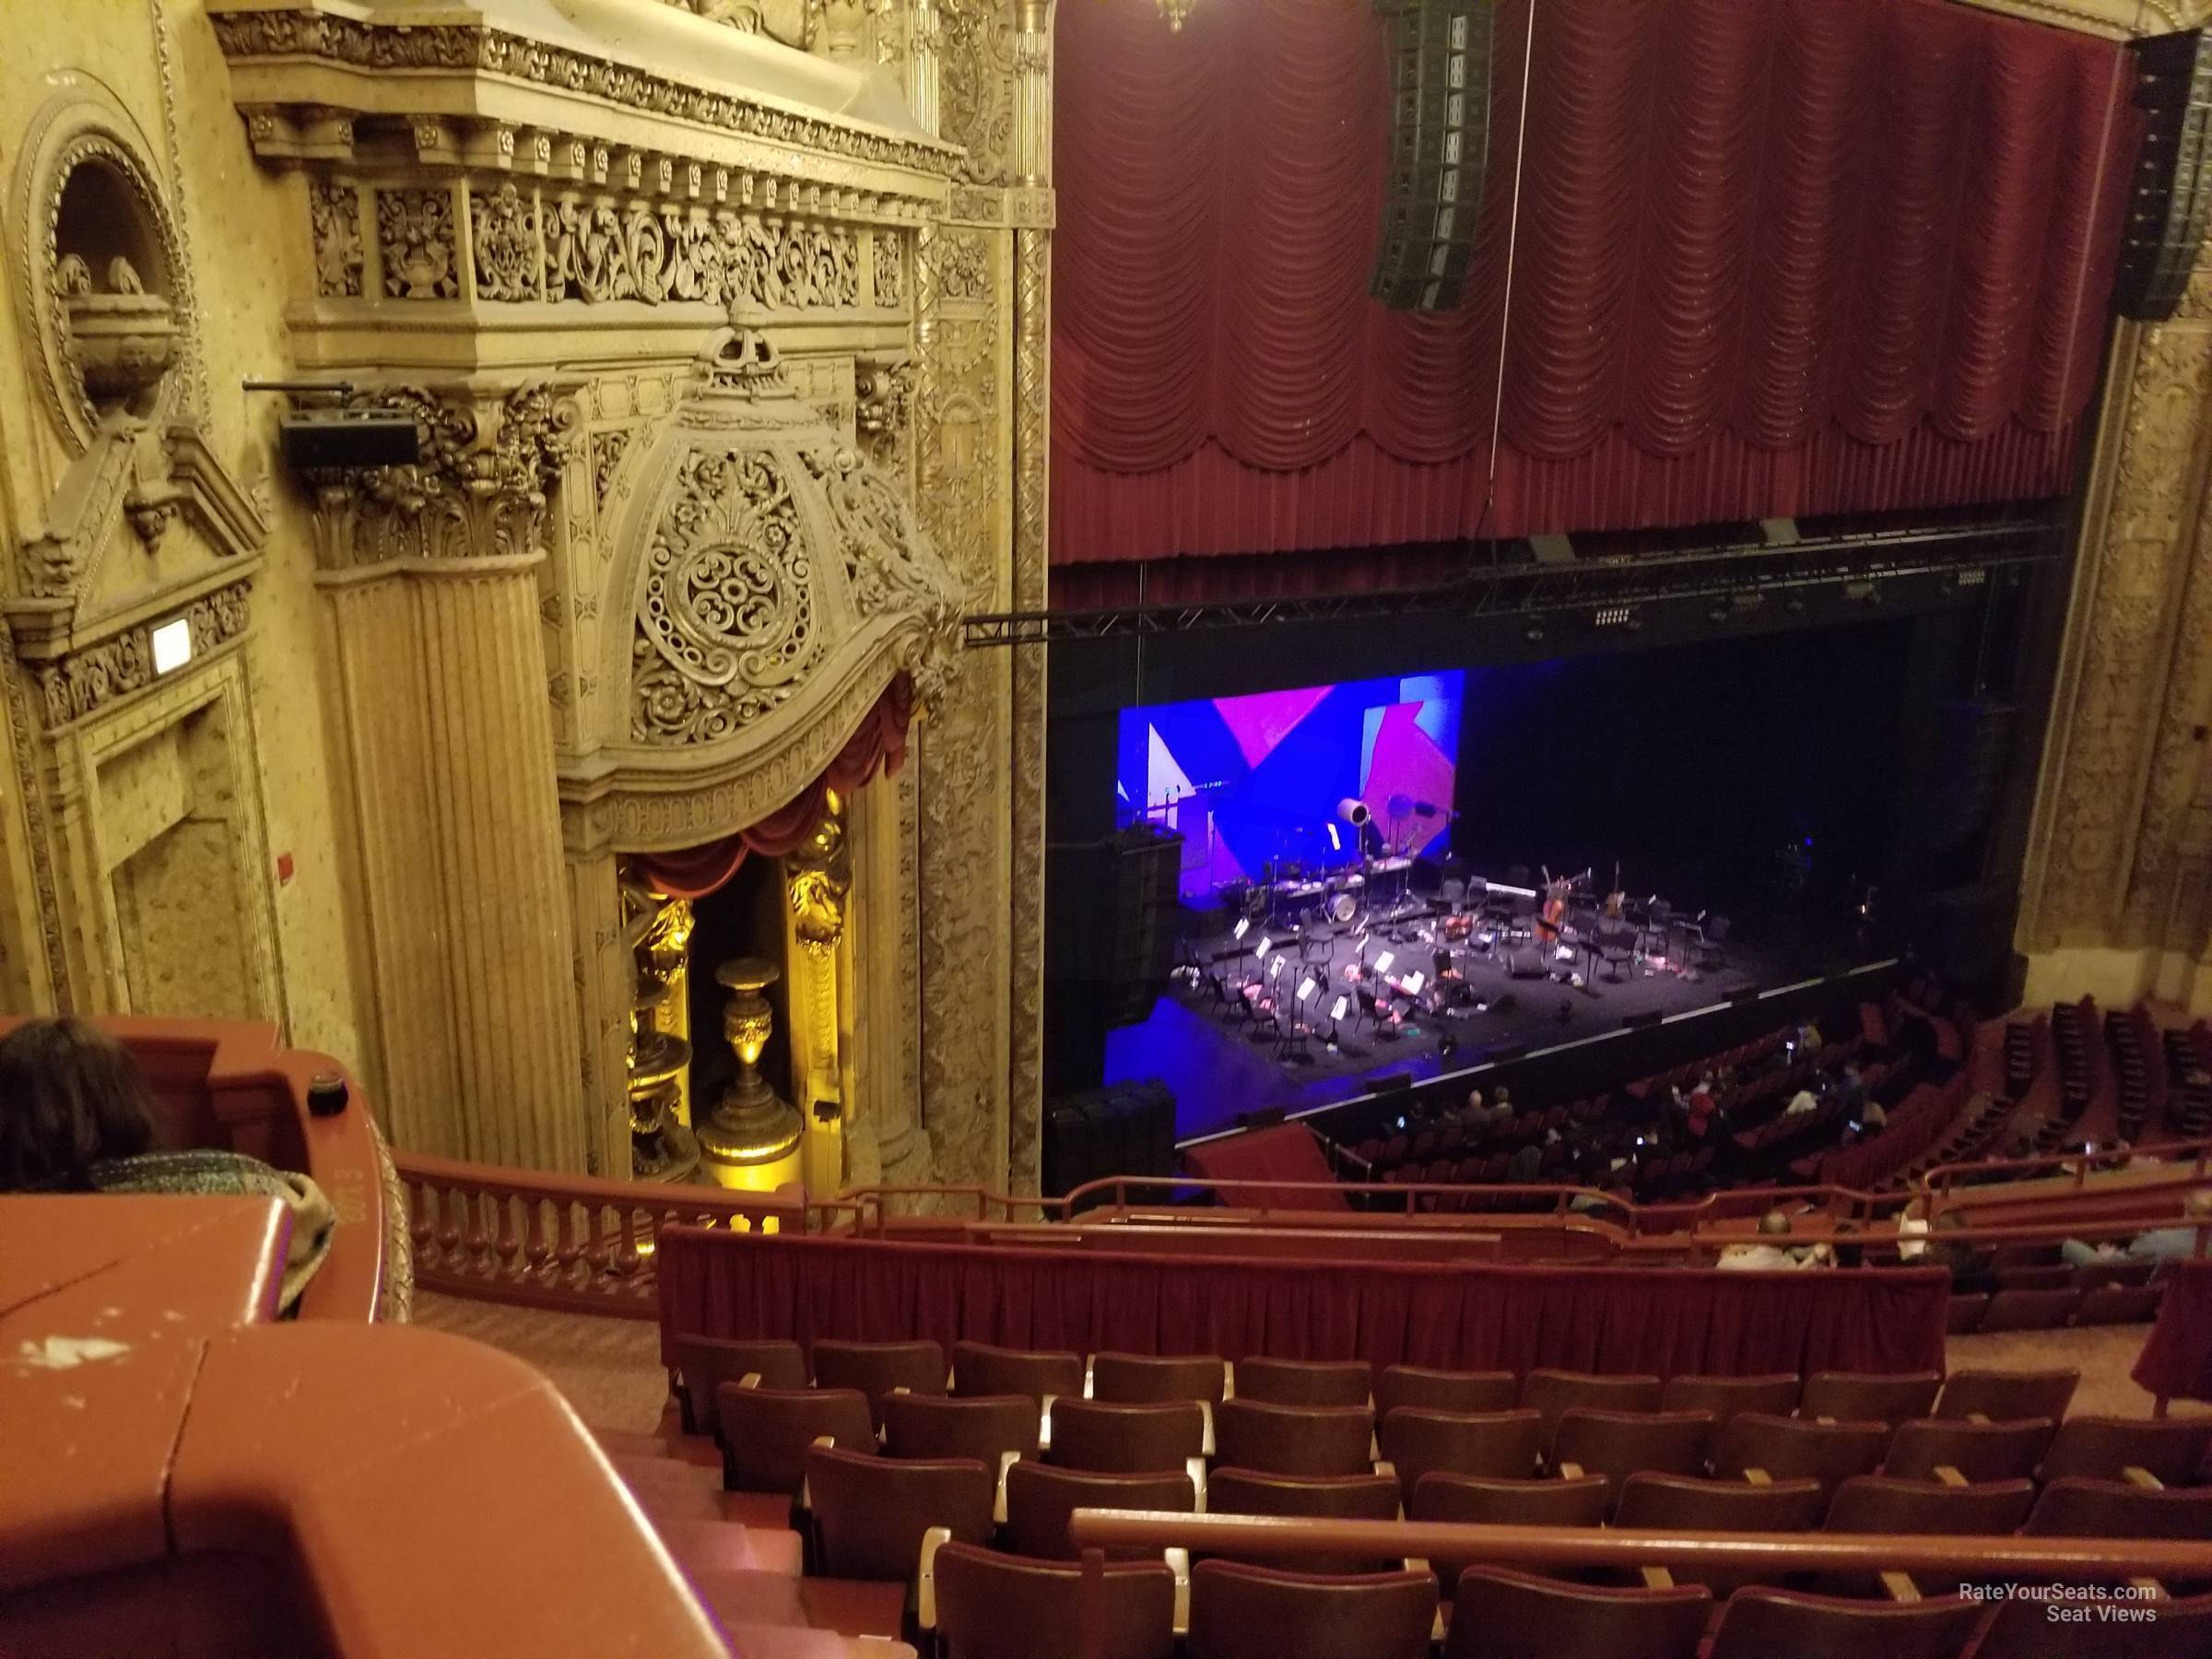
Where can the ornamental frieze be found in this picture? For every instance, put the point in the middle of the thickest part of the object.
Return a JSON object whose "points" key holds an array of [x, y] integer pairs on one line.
{"points": [[86, 681]]}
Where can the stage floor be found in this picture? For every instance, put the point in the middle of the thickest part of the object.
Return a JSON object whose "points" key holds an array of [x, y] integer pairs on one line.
{"points": [[1216, 1070]]}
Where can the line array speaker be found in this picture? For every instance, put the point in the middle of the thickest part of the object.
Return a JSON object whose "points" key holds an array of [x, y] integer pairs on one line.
{"points": [[2172, 186], [1973, 743], [1440, 95], [1114, 917]]}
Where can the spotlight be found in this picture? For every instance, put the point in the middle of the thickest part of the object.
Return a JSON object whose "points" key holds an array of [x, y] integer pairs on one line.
{"points": [[1535, 634]]}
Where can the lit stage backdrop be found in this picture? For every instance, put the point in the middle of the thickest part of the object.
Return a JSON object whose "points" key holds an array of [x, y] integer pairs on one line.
{"points": [[1248, 780]]}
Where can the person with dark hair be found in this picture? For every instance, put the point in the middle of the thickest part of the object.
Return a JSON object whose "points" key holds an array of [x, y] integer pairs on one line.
{"points": [[74, 1118]]}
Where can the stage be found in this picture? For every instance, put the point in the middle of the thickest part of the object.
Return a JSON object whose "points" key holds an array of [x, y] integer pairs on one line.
{"points": [[1217, 1063]]}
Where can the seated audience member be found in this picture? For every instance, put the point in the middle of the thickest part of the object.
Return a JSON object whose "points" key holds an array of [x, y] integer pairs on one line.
{"points": [[1968, 1267], [2160, 1244], [1521, 1169], [1911, 1229], [1800, 1103], [1769, 1257], [1848, 1255], [74, 1118]]}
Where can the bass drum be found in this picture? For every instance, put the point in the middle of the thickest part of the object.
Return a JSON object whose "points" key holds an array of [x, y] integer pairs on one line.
{"points": [[1342, 907]]}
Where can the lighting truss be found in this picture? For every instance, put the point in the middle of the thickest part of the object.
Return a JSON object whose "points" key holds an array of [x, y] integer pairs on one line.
{"points": [[1503, 578]]}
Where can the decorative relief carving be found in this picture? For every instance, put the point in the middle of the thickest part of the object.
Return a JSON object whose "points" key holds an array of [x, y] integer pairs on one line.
{"points": [[33, 795], [415, 235], [502, 232], [606, 454], [726, 625], [479, 491], [883, 393], [963, 265], [978, 86], [86, 681], [468, 48], [2096, 814], [335, 217], [891, 268], [599, 252]]}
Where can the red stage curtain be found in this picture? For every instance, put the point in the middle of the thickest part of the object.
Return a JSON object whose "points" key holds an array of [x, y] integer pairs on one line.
{"points": [[2176, 1362], [1475, 1318], [1774, 256], [879, 744]]}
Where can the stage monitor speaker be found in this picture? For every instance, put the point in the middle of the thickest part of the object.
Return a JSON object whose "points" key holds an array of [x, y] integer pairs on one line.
{"points": [[1741, 994], [1440, 124], [1113, 917], [1505, 1053], [2172, 186], [1642, 1022]]}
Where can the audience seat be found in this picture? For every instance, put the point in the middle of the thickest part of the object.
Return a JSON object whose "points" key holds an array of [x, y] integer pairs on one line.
{"points": [[765, 1432], [1498, 1614], [1370, 1497], [987, 1428], [1244, 1612], [990, 1605], [1117, 1439], [2077, 1507], [1292, 1440], [1855, 1397], [877, 1368], [2119, 1304], [1724, 1396], [1887, 1503], [2022, 1629], [1039, 1498], [2019, 1309], [704, 1363], [2007, 1451], [2170, 1450], [1149, 1380], [2007, 1397], [1787, 1624], [978, 1368], [1498, 1444], [1966, 1312], [1471, 1500], [1683, 1503], [1554, 1392], [869, 1515], [1617, 1445], [1794, 1448], [1468, 1392], [1304, 1381]]}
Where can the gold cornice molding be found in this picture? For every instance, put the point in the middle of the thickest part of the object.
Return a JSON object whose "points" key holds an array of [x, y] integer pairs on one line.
{"points": [[2113, 19], [332, 69]]}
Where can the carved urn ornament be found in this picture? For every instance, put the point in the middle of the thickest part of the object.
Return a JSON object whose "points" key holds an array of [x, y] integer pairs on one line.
{"points": [[777, 582], [122, 338]]}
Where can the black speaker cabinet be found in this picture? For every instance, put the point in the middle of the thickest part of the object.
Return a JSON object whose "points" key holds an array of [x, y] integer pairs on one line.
{"points": [[2172, 186]]}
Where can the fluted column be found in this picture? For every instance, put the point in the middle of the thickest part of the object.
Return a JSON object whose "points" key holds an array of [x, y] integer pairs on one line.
{"points": [[441, 693]]}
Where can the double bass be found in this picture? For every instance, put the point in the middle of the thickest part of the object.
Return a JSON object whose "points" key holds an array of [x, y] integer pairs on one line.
{"points": [[1552, 919]]}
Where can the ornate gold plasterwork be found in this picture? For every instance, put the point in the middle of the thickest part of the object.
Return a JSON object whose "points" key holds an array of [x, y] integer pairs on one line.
{"points": [[978, 86], [416, 245], [889, 274], [32, 792], [307, 39], [488, 462], [819, 877], [883, 394], [2114, 19]]}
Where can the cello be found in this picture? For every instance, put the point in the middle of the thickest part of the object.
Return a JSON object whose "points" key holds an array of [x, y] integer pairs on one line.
{"points": [[1551, 920]]}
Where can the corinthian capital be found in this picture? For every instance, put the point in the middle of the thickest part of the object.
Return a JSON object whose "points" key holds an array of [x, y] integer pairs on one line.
{"points": [[489, 460]]}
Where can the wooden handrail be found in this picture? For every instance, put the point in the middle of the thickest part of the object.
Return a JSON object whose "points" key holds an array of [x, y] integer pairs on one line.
{"points": [[2065, 1560], [2078, 1165], [565, 1242]]}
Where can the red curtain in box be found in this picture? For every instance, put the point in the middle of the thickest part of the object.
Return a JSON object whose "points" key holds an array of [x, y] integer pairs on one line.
{"points": [[878, 744], [1772, 256], [1664, 1321]]}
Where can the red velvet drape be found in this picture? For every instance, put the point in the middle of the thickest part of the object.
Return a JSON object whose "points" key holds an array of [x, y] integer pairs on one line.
{"points": [[1469, 1318], [2176, 1363], [1774, 256], [878, 744]]}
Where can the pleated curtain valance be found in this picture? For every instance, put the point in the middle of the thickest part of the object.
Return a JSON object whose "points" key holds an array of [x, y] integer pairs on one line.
{"points": [[1770, 256]]}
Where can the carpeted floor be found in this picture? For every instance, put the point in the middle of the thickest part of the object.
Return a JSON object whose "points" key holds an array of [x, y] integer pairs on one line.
{"points": [[610, 1369]]}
